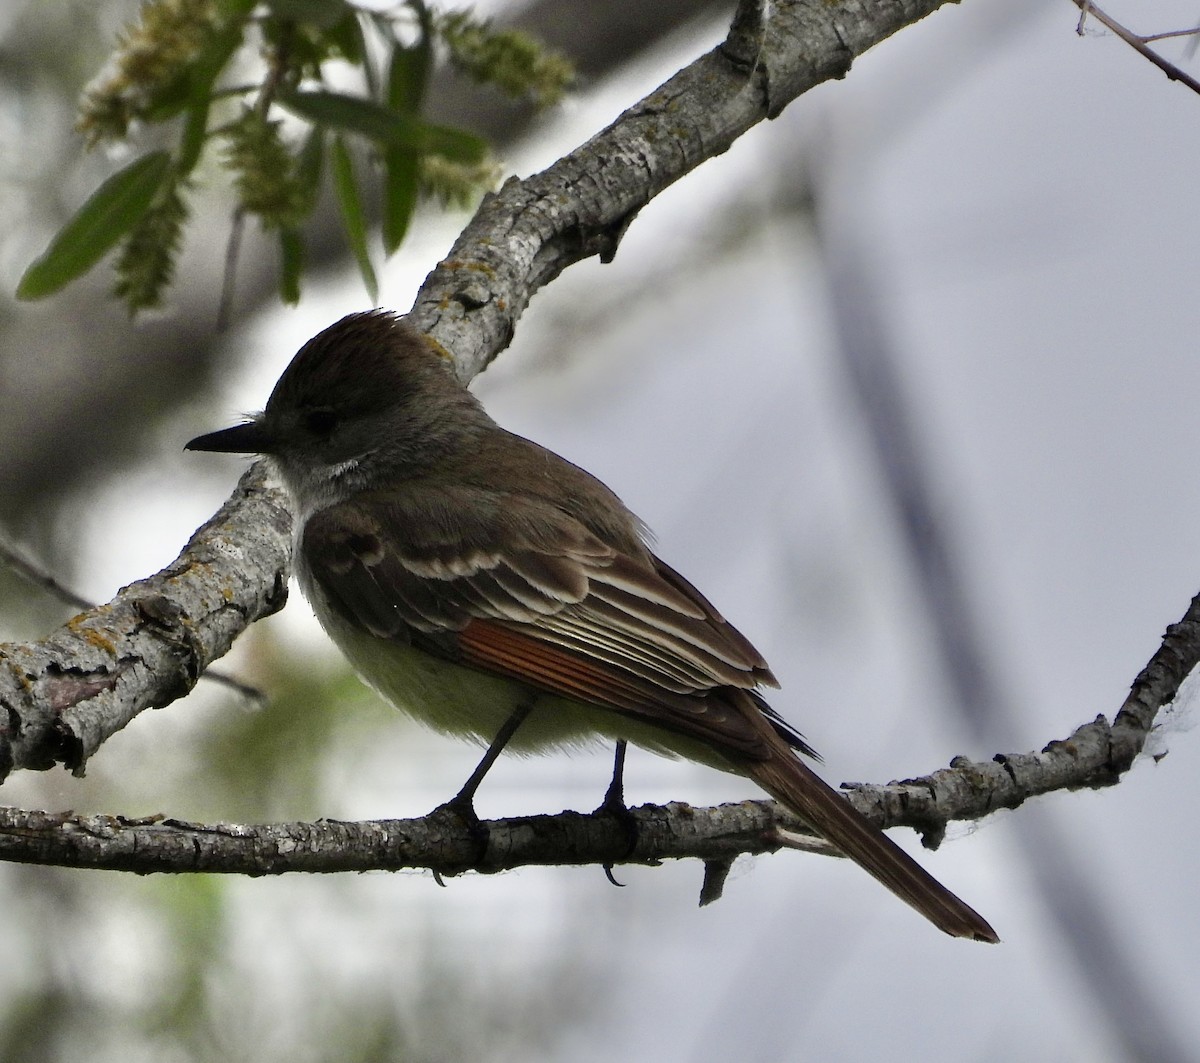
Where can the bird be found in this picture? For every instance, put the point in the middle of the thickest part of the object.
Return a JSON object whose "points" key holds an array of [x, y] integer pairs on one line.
{"points": [[495, 591]]}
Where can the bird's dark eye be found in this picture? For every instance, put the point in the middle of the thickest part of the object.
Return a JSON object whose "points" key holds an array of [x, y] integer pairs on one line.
{"points": [[321, 422]]}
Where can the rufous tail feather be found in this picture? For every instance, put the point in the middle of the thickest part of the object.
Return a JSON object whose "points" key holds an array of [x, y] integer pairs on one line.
{"points": [[790, 781]]}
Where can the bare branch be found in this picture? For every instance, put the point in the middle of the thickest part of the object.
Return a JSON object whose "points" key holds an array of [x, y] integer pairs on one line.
{"points": [[1094, 755], [12, 557], [1137, 42], [440, 842], [1166, 35]]}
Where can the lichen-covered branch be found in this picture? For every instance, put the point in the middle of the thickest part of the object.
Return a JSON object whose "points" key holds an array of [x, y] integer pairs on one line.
{"points": [[61, 698], [532, 229]]}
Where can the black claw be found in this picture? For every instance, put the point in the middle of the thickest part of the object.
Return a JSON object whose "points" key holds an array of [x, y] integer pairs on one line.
{"points": [[608, 874]]}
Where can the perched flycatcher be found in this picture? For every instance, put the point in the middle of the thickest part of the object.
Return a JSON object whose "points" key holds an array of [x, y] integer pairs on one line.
{"points": [[482, 583]]}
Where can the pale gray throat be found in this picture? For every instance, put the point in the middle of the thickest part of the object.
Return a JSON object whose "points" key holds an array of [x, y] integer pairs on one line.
{"points": [[314, 488]]}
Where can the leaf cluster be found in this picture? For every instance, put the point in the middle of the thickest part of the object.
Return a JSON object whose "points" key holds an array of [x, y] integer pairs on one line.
{"points": [[183, 66]]}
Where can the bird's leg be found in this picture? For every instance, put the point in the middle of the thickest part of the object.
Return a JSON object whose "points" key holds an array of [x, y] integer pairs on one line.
{"points": [[462, 803], [614, 804], [614, 796]]}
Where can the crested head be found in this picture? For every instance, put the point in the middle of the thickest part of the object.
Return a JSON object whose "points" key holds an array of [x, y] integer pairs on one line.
{"points": [[365, 400], [364, 362]]}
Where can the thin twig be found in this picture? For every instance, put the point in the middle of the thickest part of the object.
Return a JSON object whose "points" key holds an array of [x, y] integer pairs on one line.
{"points": [[1136, 42], [1149, 38], [11, 557], [238, 686]]}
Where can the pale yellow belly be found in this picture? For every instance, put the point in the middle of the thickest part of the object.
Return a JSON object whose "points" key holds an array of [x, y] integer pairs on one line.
{"points": [[470, 704]]}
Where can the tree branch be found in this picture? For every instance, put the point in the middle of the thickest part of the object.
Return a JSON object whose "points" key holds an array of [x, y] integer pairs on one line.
{"points": [[11, 557], [1139, 43], [61, 698], [531, 230], [1093, 756]]}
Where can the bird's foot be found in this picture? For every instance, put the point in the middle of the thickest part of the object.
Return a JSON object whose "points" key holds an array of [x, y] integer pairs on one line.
{"points": [[614, 805]]}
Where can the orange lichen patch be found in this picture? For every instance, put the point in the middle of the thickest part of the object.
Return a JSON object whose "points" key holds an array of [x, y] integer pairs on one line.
{"points": [[80, 625], [457, 264], [437, 348], [100, 640]]}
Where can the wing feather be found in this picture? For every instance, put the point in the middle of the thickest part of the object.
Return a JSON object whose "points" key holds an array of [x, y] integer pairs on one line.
{"points": [[522, 654], [516, 586]]}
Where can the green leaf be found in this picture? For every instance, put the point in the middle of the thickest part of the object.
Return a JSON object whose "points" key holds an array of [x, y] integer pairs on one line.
{"points": [[353, 218], [109, 213], [408, 75], [352, 114], [291, 265], [347, 37], [401, 185], [195, 133], [169, 99], [228, 9], [201, 76], [310, 162], [320, 13]]}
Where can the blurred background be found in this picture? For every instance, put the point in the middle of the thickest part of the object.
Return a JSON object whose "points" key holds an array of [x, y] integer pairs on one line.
{"points": [[905, 382]]}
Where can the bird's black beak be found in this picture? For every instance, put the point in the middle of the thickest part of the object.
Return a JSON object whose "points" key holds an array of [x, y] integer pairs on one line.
{"points": [[249, 438]]}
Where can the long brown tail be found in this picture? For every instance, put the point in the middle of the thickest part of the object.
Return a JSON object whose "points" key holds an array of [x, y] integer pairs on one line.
{"points": [[789, 780]]}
